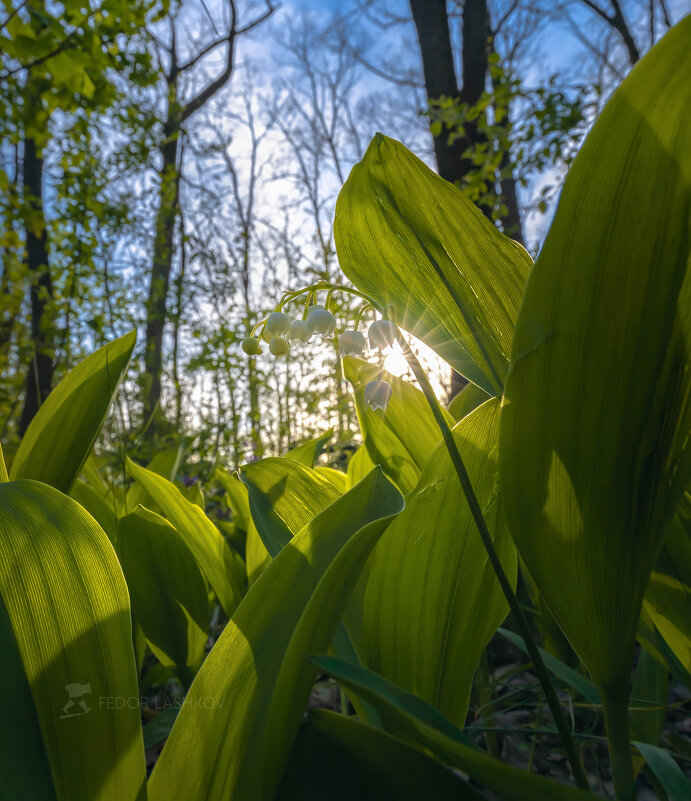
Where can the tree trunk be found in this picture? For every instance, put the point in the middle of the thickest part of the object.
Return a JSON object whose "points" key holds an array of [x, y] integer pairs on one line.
{"points": [[432, 24], [156, 304], [41, 366]]}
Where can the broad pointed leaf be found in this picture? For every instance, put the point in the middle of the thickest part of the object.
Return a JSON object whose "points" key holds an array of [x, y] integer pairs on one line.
{"points": [[66, 602], [308, 452], [166, 464], [401, 439], [407, 237], [370, 764], [410, 718], [469, 398], [359, 466], [667, 772], [167, 590], [255, 677], [284, 495], [61, 435], [433, 601], [337, 477], [667, 598], [222, 566], [595, 447]]}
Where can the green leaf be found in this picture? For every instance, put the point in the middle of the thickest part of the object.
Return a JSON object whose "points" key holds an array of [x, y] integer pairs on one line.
{"points": [[595, 452], [666, 771], [167, 590], [402, 439], [649, 696], [3, 468], [407, 237], [469, 398], [24, 769], [98, 506], [573, 678], [237, 496], [158, 728], [62, 433], [359, 466], [379, 687], [342, 759], [308, 452], [430, 574], [255, 676], [337, 477], [284, 496], [411, 718], [67, 604], [164, 464], [223, 568], [667, 598]]}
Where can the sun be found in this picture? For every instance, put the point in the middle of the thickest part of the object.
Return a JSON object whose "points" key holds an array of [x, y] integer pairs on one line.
{"points": [[395, 363]]}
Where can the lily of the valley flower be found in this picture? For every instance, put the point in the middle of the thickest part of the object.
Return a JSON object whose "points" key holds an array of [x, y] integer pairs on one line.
{"points": [[251, 346], [351, 343], [300, 331], [277, 324], [279, 346], [378, 394], [382, 333], [321, 321]]}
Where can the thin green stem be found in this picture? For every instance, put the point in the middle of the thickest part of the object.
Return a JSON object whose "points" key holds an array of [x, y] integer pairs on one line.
{"points": [[520, 618], [615, 705]]}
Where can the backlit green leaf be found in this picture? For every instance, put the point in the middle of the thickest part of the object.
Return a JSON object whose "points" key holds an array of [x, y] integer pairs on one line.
{"points": [[595, 452], [62, 433], [401, 439], [308, 452], [409, 238], [359, 465], [469, 398], [432, 601], [164, 464], [67, 604], [284, 495], [255, 676], [667, 598], [167, 590], [223, 568]]}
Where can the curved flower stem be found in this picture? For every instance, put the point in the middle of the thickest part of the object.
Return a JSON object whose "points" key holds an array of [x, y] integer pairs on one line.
{"points": [[505, 584]]}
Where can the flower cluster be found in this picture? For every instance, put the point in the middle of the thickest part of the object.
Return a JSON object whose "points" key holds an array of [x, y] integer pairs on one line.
{"points": [[281, 332]]}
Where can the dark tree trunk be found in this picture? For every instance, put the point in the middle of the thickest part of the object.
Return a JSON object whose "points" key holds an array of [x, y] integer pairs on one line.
{"points": [[433, 33], [41, 365], [432, 24], [511, 221], [156, 304]]}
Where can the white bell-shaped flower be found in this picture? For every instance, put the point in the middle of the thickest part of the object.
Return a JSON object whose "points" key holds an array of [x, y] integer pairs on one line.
{"points": [[351, 343], [300, 331], [382, 334], [279, 346], [321, 321], [251, 346], [378, 394], [277, 324]]}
